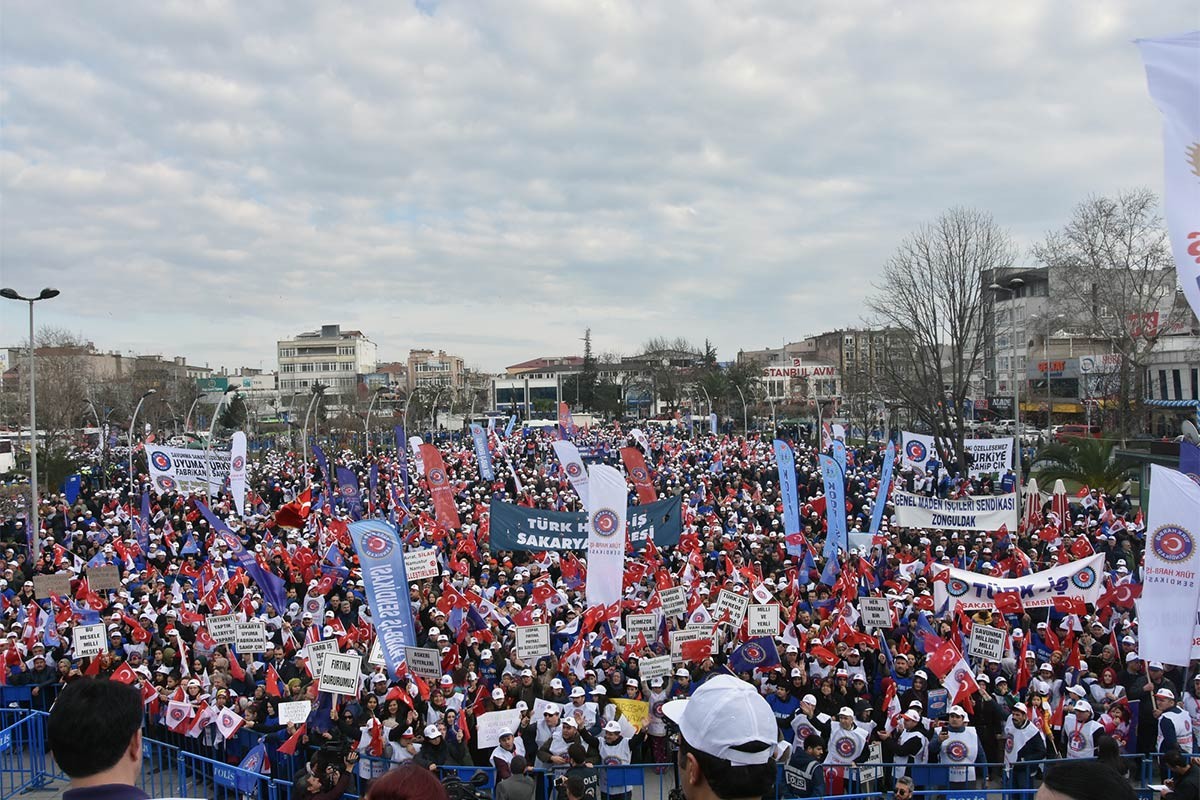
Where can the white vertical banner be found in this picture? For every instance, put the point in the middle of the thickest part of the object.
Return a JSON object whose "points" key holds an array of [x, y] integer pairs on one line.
{"points": [[572, 464], [1173, 75], [415, 442], [237, 471], [1171, 584], [607, 496]]}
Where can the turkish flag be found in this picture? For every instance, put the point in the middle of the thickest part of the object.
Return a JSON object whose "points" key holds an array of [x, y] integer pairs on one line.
{"points": [[1070, 605], [941, 660], [824, 654], [125, 675], [288, 748], [696, 650], [1008, 602]]}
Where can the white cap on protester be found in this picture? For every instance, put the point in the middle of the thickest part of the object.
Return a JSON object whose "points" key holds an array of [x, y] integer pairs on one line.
{"points": [[724, 716], [432, 732], [612, 726]]}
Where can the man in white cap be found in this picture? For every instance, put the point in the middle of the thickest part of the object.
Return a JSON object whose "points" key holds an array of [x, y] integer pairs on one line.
{"points": [[846, 745], [1174, 724], [957, 744], [615, 751], [912, 742], [808, 721], [580, 705], [1080, 730], [1024, 747], [509, 746], [727, 738]]}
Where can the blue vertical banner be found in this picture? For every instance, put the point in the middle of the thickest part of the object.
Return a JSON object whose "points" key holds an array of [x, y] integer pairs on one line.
{"points": [[70, 488], [349, 492], [885, 485], [786, 461], [1189, 460], [382, 558], [143, 528], [835, 507], [402, 459], [508, 429], [483, 456], [839, 454], [323, 463], [269, 583]]}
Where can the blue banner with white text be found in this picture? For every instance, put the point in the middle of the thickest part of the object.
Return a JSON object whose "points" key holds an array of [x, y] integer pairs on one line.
{"points": [[382, 558], [482, 455]]}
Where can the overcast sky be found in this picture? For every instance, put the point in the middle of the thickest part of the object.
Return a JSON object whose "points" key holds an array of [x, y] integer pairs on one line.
{"points": [[202, 179]]}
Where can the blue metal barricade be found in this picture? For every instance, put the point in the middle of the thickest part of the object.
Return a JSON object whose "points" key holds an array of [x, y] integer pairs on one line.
{"points": [[204, 777], [22, 754]]}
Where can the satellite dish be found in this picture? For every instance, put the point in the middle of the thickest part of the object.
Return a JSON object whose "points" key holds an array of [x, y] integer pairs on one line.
{"points": [[1190, 434]]}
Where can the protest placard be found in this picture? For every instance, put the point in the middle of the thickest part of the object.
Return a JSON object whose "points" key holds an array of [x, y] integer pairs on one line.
{"points": [[58, 585], [731, 607], [491, 723], [986, 642], [763, 620], [425, 661], [375, 658], [222, 628], [674, 600], [635, 711], [658, 667], [421, 564], [875, 612], [340, 673], [90, 640], [316, 650], [103, 578], [641, 623], [294, 713], [689, 634], [533, 641], [251, 637]]}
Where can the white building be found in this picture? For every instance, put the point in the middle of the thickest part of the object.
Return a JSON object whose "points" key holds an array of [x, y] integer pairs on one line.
{"points": [[330, 356]]}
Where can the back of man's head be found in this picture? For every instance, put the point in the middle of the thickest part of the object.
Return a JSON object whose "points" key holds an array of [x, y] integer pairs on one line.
{"points": [[518, 765], [92, 724], [577, 753], [1087, 780]]}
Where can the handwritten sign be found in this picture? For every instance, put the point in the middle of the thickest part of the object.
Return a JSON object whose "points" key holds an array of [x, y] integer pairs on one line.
{"points": [[90, 640], [674, 600], [491, 723], [533, 641], [421, 564], [58, 585], [223, 628], [294, 713], [103, 577]]}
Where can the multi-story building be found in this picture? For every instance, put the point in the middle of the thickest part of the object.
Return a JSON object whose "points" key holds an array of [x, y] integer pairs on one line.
{"points": [[793, 372], [1010, 314], [428, 369], [330, 356]]}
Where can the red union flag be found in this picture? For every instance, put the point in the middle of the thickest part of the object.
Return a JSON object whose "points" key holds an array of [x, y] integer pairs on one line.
{"points": [[635, 465], [439, 487]]}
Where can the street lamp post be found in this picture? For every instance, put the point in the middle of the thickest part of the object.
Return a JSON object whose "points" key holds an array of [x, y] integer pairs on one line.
{"points": [[745, 415], [212, 430], [1011, 289], [1046, 368], [367, 421], [187, 423], [433, 411], [132, 423], [34, 520], [304, 433]]}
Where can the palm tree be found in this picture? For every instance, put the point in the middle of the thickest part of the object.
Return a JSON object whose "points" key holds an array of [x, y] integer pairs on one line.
{"points": [[1088, 462]]}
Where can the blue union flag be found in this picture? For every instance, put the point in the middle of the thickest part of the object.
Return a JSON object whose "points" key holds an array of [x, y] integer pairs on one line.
{"points": [[758, 653]]}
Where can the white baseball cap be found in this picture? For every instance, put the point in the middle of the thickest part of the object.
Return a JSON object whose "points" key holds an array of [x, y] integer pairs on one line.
{"points": [[1082, 705], [612, 726], [1165, 694], [957, 711], [432, 732], [726, 718]]}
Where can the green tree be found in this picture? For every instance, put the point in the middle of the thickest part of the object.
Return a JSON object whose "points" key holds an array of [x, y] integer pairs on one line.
{"points": [[1085, 461]]}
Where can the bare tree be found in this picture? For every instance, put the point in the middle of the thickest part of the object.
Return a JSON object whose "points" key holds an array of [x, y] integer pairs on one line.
{"points": [[930, 299], [1113, 276]]}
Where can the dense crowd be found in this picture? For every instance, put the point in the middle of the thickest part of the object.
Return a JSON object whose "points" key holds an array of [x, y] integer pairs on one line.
{"points": [[1071, 683]]}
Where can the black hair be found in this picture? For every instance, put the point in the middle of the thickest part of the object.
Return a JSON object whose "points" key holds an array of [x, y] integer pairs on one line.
{"points": [[577, 753], [575, 787], [729, 780], [91, 725], [1087, 780], [1174, 758], [518, 765], [813, 740]]}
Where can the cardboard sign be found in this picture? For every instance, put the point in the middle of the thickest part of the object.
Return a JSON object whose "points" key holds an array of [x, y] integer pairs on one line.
{"points": [[533, 641], [659, 667], [674, 600], [103, 578], [636, 711], [763, 621], [642, 623], [318, 649], [90, 640], [251, 637], [492, 722], [341, 673], [731, 607], [421, 564], [875, 611], [986, 642], [58, 585], [222, 628], [294, 713], [425, 661]]}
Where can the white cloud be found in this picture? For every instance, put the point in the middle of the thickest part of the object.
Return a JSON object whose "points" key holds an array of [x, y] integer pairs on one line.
{"points": [[203, 178]]}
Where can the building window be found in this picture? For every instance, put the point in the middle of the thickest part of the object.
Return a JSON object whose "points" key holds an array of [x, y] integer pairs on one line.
{"points": [[1177, 380], [1162, 384]]}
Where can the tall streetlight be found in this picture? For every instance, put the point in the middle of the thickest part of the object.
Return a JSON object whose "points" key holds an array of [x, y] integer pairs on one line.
{"points": [[433, 411], [1011, 289], [132, 423], [317, 389], [745, 415], [187, 422], [35, 525], [1048, 319], [212, 430], [367, 421]]}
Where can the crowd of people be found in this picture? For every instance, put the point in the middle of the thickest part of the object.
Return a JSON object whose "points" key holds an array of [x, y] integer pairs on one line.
{"points": [[1071, 683]]}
